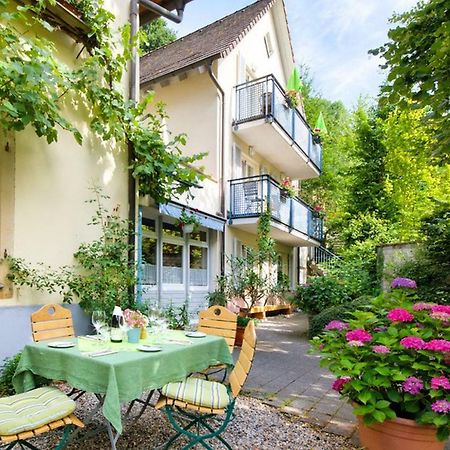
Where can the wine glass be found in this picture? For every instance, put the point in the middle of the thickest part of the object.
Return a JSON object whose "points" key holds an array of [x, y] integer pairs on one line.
{"points": [[98, 320]]}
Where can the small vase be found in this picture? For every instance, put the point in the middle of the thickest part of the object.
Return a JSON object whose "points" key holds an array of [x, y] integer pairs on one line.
{"points": [[133, 335], [398, 434], [144, 333]]}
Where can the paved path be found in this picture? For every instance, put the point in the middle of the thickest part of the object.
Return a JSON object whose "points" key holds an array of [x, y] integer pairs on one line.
{"points": [[285, 375]]}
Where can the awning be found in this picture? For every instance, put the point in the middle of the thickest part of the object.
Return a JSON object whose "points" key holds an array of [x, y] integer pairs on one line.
{"points": [[206, 220]]}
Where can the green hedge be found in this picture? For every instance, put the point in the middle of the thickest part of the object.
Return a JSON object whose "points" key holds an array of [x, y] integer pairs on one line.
{"points": [[341, 312]]}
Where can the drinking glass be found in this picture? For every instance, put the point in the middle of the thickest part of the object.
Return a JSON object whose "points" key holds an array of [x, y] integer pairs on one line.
{"points": [[98, 320]]}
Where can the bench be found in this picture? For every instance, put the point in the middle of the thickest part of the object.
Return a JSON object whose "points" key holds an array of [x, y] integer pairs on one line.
{"points": [[260, 312]]}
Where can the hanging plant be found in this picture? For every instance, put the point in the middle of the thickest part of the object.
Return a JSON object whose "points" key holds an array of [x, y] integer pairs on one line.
{"points": [[188, 222]]}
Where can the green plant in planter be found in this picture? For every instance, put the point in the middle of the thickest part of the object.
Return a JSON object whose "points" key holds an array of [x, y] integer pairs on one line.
{"points": [[242, 321], [188, 219], [392, 359]]}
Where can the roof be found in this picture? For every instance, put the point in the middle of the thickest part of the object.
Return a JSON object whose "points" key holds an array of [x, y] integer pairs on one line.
{"points": [[206, 44]]}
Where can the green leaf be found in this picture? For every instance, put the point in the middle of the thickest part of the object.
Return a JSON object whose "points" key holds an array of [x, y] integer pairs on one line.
{"points": [[379, 416], [364, 397]]}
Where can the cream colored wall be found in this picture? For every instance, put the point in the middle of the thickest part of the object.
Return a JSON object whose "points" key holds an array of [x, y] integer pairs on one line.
{"points": [[52, 184], [253, 49], [193, 108]]}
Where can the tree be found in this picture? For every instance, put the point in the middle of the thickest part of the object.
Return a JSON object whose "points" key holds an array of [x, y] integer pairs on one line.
{"points": [[156, 34], [418, 60]]}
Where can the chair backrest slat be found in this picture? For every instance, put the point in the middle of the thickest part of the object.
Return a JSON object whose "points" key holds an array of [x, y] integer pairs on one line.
{"points": [[219, 321], [50, 322], [243, 365]]}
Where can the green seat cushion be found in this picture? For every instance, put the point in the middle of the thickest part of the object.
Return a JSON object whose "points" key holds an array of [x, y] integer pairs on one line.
{"points": [[33, 409], [198, 392]]}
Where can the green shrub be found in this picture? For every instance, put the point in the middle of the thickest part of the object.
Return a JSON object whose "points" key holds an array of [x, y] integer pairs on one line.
{"points": [[6, 374], [320, 293], [341, 312]]}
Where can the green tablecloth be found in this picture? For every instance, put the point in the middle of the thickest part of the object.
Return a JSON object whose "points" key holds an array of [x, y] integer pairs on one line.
{"points": [[123, 376]]}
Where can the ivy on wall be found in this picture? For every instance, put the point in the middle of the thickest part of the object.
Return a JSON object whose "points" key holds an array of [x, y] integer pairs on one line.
{"points": [[34, 85]]}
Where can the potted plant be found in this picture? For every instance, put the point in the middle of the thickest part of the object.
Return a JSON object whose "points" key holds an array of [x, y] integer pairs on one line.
{"points": [[287, 189], [292, 98], [136, 321], [392, 362], [242, 322], [188, 222]]}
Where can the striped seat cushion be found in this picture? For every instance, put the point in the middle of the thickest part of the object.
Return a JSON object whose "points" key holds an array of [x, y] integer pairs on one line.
{"points": [[33, 409], [199, 392]]}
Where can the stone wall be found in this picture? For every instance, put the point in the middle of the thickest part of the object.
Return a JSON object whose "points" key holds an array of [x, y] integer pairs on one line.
{"points": [[391, 256]]}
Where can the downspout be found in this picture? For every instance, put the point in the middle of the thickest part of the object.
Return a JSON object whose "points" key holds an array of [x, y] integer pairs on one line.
{"points": [[134, 95], [222, 163]]}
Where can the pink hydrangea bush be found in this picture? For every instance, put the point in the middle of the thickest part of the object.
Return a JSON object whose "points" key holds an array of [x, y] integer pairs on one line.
{"points": [[392, 360]]}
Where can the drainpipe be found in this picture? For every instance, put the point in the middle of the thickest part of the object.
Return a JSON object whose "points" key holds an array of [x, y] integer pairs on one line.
{"points": [[222, 162], [134, 95]]}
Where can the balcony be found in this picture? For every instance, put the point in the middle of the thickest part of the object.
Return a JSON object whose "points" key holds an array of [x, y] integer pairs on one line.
{"points": [[279, 133], [293, 221]]}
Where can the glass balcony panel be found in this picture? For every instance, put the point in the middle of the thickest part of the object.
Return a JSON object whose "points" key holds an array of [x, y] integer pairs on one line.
{"points": [[265, 98], [248, 197]]}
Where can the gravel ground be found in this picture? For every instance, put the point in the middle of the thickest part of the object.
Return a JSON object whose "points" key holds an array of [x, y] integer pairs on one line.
{"points": [[256, 426]]}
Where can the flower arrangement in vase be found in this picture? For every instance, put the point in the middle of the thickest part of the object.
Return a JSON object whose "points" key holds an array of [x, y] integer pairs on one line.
{"points": [[188, 222], [135, 321], [392, 361]]}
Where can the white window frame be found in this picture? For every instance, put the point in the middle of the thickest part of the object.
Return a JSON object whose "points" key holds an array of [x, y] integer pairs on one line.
{"points": [[204, 244], [268, 44]]}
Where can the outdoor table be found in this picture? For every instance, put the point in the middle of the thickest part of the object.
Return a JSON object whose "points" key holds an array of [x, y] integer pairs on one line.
{"points": [[123, 376]]}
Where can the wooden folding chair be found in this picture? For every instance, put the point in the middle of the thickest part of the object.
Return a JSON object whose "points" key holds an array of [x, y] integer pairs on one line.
{"points": [[50, 322], [201, 409], [219, 321], [27, 415]]}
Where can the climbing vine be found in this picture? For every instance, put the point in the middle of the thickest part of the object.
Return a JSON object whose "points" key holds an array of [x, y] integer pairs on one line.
{"points": [[36, 87]]}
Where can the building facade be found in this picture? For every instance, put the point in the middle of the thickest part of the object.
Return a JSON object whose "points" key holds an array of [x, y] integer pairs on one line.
{"points": [[225, 87]]}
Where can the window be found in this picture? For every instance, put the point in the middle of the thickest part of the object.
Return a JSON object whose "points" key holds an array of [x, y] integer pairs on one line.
{"points": [[149, 252], [268, 43], [172, 254], [198, 266]]}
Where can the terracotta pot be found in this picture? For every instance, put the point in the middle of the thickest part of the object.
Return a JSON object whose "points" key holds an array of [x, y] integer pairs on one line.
{"points": [[239, 336], [398, 434]]}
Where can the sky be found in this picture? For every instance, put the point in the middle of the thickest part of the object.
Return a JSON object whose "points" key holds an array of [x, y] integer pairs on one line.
{"points": [[332, 37]]}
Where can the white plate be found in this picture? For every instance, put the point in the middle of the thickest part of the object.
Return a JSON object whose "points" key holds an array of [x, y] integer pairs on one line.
{"points": [[61, 344], [195, 334], [149, 348]]}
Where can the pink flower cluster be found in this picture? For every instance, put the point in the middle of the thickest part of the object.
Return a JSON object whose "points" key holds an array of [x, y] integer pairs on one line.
{"points": [[435, 345], [400, 315], [339, 383], [422, 305], [440, 312], [412, 385], [413, 342], [403, 283], [438, 345], [440, 382], [441, 406], [380, 349], [336, 325], [358, 335]]}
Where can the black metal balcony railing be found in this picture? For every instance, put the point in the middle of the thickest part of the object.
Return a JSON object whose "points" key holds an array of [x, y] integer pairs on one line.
{"points": [[265, 98], [249, 197]]}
